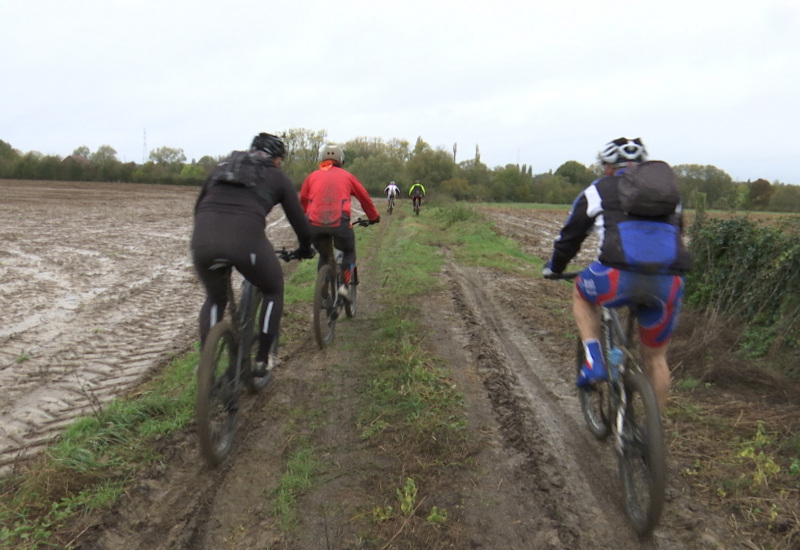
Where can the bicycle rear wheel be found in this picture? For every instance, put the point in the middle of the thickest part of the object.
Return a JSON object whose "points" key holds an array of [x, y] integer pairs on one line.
{"points": [[215, 409], [250, 305], [595, 402], [350, 305], [642, 458], [325, 313]]}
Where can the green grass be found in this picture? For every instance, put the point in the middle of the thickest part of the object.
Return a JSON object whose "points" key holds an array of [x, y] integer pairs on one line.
{"points": [[407, 388], [300, 469], [524, 205], [299, 286], [406, 392], [471, 237], [95, 458]]}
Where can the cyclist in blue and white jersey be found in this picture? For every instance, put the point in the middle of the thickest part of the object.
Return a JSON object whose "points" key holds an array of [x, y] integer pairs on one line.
{"points": [[615, 279]]}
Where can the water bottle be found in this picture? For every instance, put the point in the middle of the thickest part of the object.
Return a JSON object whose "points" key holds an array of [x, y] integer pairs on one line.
{"points": [[615, 357]]}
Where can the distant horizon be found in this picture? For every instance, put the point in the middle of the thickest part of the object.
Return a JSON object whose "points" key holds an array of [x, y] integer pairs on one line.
{"points": [[712, 83], [191, 160]]}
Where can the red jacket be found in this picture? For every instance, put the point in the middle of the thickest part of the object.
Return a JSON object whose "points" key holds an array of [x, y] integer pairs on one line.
{"points": [[325, 196]]}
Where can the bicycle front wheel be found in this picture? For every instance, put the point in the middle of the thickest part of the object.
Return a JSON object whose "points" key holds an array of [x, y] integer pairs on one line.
{"points": [[595, 402], [325, 306], [642, 457], [250, 305], [215, 409]]}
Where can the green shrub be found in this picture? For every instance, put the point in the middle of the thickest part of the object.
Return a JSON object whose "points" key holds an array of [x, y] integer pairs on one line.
{"points": [[749, 271]]}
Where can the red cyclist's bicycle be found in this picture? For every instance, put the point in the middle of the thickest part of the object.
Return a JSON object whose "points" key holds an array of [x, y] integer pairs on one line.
{"points": [[328, 303]]}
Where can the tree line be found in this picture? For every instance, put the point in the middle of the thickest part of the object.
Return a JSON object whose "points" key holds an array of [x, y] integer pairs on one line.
{"points": [[375, 162]]}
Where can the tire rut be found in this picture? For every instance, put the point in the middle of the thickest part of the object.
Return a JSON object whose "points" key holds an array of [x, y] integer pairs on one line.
{"points": [[541, 421]]}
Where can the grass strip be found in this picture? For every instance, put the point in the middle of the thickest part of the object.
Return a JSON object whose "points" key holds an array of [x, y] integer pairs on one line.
{"points": [[89, 466]]}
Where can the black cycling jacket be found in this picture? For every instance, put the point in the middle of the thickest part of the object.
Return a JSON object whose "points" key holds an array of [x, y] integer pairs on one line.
{"points": [[250, 184]]}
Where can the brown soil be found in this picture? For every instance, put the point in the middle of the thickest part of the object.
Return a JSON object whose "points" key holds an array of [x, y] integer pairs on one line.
{"points": [[100, 291]]}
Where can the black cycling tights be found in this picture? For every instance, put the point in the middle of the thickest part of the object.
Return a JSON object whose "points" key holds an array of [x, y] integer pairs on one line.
{"points": [[241, 241], [343, 238]]}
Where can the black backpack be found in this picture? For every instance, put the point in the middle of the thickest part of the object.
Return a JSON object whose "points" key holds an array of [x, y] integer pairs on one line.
{"points": [[649, 189], [238, 169]]}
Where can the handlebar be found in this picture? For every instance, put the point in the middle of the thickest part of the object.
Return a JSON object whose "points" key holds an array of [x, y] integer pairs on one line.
{"points": [[362, 222], [289, 255]]}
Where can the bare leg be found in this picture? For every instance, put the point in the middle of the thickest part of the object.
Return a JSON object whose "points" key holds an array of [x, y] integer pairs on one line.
{"points": [[586, 317], [657, 370]]}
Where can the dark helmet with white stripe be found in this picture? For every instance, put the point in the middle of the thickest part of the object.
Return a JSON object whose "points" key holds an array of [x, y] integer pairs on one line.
{"points": [[271, 145]]}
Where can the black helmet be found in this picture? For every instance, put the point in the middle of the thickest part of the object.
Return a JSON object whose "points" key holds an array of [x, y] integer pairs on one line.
{"points": [[272, 145]]}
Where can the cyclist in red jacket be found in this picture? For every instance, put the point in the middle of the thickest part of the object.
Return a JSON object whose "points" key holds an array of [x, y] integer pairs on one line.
{"points": [[325, 197]]}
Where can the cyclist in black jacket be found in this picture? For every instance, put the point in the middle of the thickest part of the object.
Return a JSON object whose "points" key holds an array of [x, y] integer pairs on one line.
{"points": [[615, 280], [229, 222]]}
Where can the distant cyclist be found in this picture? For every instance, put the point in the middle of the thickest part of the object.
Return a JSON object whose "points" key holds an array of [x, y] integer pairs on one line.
{"points": [[640, 256], [325, 196], [391, 192], [416, 192], [229, 221]]}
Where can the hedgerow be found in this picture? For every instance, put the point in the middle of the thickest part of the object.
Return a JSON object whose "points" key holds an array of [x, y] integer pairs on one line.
{"points": [[749, 271]]}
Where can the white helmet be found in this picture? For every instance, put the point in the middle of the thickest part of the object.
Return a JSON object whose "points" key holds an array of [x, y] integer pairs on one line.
{"points": [[332, 152], [622, 151]]}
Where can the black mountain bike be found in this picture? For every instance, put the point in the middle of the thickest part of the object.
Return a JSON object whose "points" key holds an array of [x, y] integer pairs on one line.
{"points": [[328, 303], [391, 205], [227, 363], [416, 201], [626, 407]]}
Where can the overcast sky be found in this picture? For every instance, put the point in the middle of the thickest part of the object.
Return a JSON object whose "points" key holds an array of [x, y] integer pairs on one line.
{"points": [[701, 81]]}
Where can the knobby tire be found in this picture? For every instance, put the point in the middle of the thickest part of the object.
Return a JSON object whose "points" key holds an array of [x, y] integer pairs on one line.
{"points": [[250, 306], [324, 306], [595, 402], [350, 305], [642, 463], [214, 411]]}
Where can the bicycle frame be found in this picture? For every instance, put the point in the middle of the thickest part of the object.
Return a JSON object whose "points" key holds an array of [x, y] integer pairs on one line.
{"points": [[225, 363], [328, 303], [636, 423], [237, 322], [618, 354]]}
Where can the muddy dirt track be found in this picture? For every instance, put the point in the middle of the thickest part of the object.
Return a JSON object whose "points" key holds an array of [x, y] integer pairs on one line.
{"points": [[98, 291]]}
